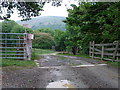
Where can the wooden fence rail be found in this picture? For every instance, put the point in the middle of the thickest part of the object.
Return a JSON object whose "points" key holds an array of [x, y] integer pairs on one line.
{"points": [[109, 51]]}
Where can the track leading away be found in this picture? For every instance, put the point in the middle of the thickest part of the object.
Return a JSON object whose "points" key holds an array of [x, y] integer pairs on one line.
{"points": [[55, 71]]}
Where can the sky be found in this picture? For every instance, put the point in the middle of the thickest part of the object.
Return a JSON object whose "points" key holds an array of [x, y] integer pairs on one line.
{"points": [[50, 10]]}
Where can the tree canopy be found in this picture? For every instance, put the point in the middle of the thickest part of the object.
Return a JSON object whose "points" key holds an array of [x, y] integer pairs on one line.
{"points": [[25, 9], [97, 21]]}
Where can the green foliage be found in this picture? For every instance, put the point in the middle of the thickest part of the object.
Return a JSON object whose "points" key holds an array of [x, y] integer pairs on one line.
{"points": [[7, 26], [25, 9], [12, 27], [20, 29], [98, 21], [43, 51], [59, 38], [43, 40], [46, 30]]}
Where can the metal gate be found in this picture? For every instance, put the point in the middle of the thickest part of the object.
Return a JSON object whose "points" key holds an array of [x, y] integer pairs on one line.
{"points": [[15, 46]]}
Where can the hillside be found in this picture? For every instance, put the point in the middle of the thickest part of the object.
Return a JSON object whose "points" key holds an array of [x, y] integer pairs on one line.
{"points": [[52, 22]]}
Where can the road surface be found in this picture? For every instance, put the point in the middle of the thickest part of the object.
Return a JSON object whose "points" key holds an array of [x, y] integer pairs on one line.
{"points": [[54, 71]]}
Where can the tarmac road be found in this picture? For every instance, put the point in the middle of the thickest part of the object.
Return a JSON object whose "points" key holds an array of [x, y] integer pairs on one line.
{"points": [[56, 71]]}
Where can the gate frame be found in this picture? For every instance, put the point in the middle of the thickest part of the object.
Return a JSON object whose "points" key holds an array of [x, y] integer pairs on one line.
{"points": [[27, 46]]}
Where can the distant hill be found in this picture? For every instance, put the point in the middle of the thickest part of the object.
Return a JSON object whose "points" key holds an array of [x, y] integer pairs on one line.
{"points": [[52, 22]]}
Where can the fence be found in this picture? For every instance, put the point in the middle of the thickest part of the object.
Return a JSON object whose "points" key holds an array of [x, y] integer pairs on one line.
{"points": [[109, 51], [16, 46]]}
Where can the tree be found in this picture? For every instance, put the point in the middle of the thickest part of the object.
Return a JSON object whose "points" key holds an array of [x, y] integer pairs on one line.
{"points": [[20, 29], [26, 9], [46, 30], [7, 26], [59, 37], [96, 21], [43, 40]]}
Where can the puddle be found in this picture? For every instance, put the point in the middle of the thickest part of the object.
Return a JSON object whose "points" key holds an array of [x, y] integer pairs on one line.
{"points": [[47, 57], [60, 84], [57, 73]]}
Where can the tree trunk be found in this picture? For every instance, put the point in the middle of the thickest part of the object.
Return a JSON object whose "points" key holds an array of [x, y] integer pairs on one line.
{"points": [[74, 50]]}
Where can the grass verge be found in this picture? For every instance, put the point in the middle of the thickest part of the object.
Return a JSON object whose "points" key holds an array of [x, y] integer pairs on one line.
{"points": [[20, 63], [42, 51], [115, 64], [25, 63]]}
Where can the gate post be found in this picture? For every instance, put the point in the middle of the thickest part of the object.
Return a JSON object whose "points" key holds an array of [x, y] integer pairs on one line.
{"points": [[29, 46], [102, 53], [93, 46]]}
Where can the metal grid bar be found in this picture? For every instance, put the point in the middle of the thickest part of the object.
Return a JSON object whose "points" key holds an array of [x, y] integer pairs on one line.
{"points": [[12, 43], [13, 57], [13, 47], [11, 54], [14, 33], [12, 39], [10, 51], [6, 52]]}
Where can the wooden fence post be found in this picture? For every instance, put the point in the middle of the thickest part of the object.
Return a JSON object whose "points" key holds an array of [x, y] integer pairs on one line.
{"points": [[93, 46], [102, 53], [90, 49], [116, 48]]}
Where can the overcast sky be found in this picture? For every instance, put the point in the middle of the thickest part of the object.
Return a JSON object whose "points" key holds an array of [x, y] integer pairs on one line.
{"points": [[50, 10]]}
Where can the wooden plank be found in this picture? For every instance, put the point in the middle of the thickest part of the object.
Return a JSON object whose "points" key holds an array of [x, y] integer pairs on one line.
{"points": [[111, 54], [97, 53], [109, 49], [106, 54], [97, 50], [90, 52], [108, 44]]}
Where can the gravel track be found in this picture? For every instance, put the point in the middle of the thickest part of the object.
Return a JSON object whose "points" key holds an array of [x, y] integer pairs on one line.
{"points": [[81, 77]]}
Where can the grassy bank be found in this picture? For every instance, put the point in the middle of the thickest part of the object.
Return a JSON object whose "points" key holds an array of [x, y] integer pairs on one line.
{"points": [[42, 51], [20, 63]]}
